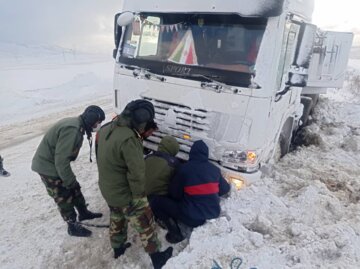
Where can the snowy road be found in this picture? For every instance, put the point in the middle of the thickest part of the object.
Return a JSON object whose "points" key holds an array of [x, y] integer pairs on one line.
{"points": [[304, 214], [33, 234], [13, 134]]}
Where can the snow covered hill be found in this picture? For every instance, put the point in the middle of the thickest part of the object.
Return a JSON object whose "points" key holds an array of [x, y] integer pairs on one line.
{"points": [[304, 211], [37, 80]]}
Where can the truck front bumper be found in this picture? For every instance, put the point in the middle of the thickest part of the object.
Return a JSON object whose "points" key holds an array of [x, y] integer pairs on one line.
{"points": [[239, 179]]}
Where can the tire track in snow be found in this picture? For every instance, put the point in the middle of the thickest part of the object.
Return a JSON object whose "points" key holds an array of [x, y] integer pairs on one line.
{"points": [[14, 134]]}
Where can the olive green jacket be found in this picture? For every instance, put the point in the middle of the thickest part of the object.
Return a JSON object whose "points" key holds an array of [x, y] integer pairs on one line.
{"points": [[158, 171], [120, 163], [60, 145]]}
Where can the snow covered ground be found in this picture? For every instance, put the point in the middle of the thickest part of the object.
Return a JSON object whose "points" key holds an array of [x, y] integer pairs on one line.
{"points": [[304, 212], [37, 83]]}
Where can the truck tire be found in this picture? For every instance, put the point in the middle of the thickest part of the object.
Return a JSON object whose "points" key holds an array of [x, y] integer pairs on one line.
{"points": [[282, 147], [277, 154], [315, 100], [308, 105]]}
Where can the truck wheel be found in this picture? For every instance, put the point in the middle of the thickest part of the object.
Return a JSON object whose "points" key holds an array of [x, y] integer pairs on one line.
{"points": [[308, 105], [315, 100], [277, 153], [282, 147]]}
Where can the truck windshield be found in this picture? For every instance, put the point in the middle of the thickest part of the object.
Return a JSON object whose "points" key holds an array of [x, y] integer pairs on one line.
{"points": [[186, 45]]}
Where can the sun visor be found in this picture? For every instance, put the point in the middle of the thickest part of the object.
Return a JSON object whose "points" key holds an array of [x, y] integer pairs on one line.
{"points": [[246, 8]]}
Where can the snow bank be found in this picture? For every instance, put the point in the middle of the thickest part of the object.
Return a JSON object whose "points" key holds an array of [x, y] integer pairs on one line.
{"points": [[304, 213]]}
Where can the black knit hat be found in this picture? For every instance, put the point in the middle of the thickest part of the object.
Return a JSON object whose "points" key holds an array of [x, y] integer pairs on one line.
{"points": [[140, 111], [92, 115]]}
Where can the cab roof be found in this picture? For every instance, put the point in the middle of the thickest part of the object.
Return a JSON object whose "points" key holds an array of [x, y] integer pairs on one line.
{"points": [[246, 8]]}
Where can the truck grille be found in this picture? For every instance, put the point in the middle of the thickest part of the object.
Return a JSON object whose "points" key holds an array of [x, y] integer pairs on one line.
{"points": [[179, 120]]}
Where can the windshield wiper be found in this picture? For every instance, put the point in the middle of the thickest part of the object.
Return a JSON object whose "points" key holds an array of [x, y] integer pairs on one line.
{"points": [[213, 84], [140, 72]]}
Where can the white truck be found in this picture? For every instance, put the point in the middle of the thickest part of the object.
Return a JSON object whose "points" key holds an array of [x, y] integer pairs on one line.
{"points": [[240, 75]]}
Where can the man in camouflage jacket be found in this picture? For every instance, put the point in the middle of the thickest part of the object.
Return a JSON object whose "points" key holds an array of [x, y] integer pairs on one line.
{"points": [[60, 146], [122, 179]]}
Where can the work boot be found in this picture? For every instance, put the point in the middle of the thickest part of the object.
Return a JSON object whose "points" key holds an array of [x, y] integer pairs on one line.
{"points": [[75, 229], [185, 230], [3, 172], [173, 238], [174, 234], [121, 250], [159, 222], [160, 258], [85, 214]]}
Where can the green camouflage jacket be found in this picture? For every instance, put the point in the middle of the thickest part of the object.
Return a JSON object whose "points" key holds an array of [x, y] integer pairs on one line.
{"points": [[160, 168], [60, 145], [120, 163]]}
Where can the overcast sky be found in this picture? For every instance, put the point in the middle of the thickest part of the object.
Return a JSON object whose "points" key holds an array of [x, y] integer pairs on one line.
{"points": [[340, 14], [69, 23], [89, 23]]}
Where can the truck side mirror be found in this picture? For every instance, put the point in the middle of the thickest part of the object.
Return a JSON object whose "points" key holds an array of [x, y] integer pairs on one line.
{"points": [[125, 18], [298, 74], [117, 34], [305, 46], [121, 19]]}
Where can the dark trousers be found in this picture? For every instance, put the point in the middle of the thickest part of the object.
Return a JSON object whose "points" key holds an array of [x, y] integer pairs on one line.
{"points": [[164, 208]]}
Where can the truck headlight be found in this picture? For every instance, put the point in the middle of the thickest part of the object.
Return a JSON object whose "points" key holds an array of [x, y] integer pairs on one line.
{"points": [[241, 160], [237, 180]]}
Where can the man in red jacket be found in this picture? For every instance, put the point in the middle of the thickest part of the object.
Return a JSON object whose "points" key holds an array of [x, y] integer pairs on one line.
{"points": [[194, 193]]}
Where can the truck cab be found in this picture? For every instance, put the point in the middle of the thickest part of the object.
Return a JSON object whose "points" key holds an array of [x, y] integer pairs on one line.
{"points": [[236, 74]]}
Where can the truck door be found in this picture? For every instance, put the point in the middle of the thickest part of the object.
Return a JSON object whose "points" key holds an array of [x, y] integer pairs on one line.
{"points": [[329, 60]]}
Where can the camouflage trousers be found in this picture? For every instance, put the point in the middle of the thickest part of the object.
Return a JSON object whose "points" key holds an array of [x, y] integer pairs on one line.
{"points": [[66, 199], [140, 217]]}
